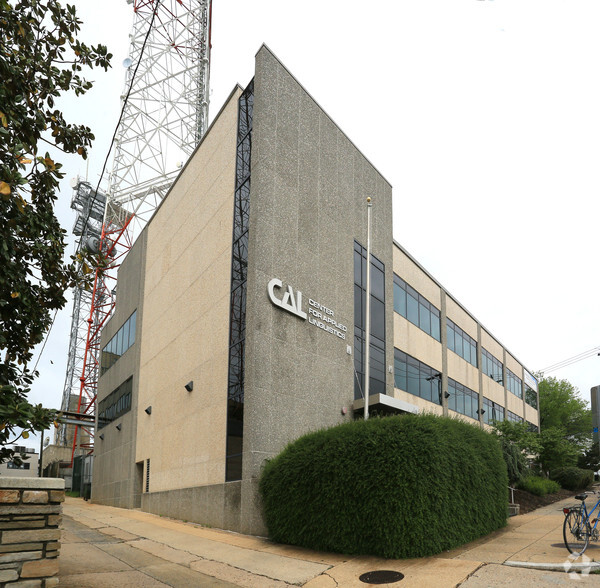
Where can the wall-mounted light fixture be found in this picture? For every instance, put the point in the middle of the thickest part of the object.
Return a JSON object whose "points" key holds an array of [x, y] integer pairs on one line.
{"points": [[446, 394], [189, 386], [437, 376], [148, 410], [102, 437], [481, 411], [119, 427]]}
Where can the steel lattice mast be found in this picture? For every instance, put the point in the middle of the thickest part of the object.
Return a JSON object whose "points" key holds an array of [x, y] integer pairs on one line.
{"points": [[165, 113]]}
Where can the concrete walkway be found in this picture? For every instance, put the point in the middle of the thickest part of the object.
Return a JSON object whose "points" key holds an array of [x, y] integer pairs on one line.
{"points": [[111, 547]]}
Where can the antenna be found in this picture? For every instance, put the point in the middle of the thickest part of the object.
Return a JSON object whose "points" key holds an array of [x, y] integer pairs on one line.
{"points": [[164, 116]]}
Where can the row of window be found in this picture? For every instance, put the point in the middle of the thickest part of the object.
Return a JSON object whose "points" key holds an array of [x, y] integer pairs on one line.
{"points": [[118, 345], [117, 403], [416, 308], [514, 384], [11, 465], [531, 397], [461, 343], [416, 377], [462, 399], [420, 312], [491, 366], [377, 369], [493, 411]]}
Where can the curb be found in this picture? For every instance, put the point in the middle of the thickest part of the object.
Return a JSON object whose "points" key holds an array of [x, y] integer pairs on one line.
{"points": [[556, 567]]}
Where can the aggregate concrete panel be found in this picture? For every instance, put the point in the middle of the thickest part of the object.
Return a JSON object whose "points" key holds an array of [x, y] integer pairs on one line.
{"points": [[314, 183]]}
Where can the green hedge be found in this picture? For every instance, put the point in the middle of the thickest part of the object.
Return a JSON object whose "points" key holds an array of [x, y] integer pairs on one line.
{"points": [[538, 485], [572, 478], [397, 487]]}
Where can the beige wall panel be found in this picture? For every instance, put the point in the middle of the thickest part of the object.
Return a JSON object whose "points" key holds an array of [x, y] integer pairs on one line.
{"points": [[491, 345], [410, 272], [493, 391], [531, 415], [415, 342], [421, 403], [463, 372], [514, 366], [459, 317], [514, 404], [463, 418], [186, 318]]}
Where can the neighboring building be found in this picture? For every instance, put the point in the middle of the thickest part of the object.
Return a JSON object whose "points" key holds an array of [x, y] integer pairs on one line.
{"points": [[29, 467], [239, 322]]}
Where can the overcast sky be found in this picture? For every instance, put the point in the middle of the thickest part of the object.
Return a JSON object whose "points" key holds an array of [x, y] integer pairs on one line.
{"points": [[483, 115]]}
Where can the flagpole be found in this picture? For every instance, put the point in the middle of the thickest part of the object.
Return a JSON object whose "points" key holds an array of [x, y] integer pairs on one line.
{"points": [[368, 311]]}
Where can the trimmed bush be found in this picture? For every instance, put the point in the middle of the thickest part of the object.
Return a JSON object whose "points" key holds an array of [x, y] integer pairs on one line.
{"points": [[538, 486], [397, 487], [572, 478]]}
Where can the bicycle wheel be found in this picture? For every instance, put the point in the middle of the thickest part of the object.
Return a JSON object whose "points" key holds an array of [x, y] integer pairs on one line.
{"points": [[576, 532]]}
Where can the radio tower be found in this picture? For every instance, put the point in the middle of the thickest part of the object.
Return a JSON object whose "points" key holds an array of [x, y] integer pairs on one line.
{"points": [[164, 116]]}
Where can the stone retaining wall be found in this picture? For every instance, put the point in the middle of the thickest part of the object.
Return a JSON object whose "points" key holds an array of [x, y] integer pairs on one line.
{"points": [[30, 517]]}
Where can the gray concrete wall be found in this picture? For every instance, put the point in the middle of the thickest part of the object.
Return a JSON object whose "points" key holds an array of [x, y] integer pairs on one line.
{"points": [[309, 186], [114, 481], [217, 505]]}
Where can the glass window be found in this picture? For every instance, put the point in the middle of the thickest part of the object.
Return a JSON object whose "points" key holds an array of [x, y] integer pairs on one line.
{"points": [[435, 325], [415, 377], [400, 370], [399, 300], [132, 329], [531, 397], [462, 399], [424, 319], [377, 318], [461, 343], [377, 283], [412, 309], [377, 350], [450, 337]]}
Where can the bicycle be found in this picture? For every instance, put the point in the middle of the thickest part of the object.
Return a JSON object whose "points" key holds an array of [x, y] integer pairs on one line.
{"points": [[578, 528]]}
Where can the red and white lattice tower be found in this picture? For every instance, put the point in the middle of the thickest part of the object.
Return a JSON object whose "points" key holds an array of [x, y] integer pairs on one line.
{"points": [[165, 113]]}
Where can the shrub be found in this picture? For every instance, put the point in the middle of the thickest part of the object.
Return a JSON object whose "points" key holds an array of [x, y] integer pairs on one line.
{"points": [[538, 486], [572, 478], [397, 487]]}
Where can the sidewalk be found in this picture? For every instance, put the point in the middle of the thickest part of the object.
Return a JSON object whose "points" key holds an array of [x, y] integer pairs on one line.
{"points": [[111, 547]]}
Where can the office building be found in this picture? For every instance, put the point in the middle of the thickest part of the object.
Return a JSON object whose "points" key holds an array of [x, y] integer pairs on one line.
{"points": [[239, 322]]}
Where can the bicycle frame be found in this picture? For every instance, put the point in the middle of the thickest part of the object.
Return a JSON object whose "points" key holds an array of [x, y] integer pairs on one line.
{"points": [[586, 515]]}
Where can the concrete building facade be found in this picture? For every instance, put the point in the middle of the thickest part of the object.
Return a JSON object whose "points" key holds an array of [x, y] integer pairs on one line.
{"points": [[240, 316], [27, 469]]}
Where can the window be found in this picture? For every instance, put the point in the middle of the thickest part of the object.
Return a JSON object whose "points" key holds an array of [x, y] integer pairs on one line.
{"points": [[461, 343], [531, 397], [416, 378], [415, 308], [514, 384], [11, 465], [493, 411], [491, 366], [462, 399], [377, 346], [117, 403], [118, 345], [532, 428], [237, 301], [513, 418]]}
